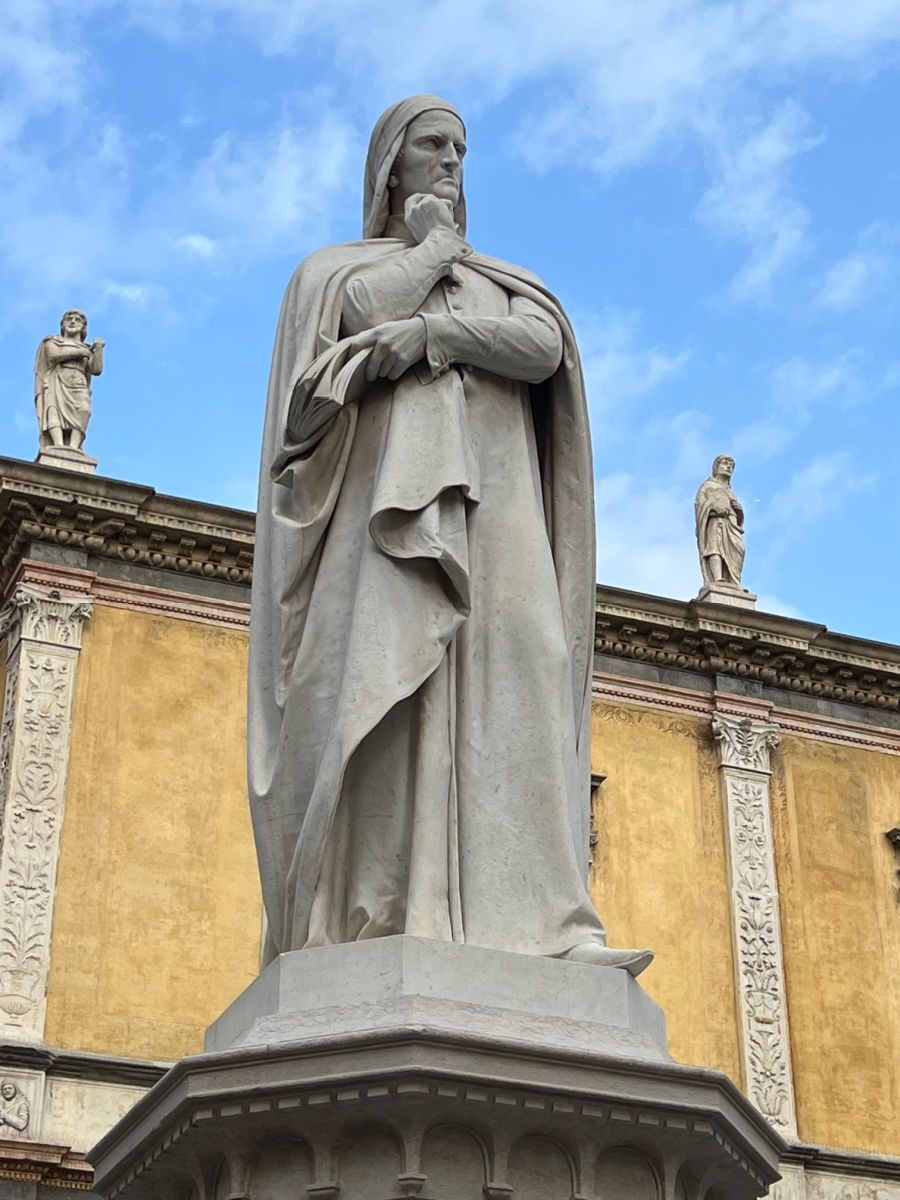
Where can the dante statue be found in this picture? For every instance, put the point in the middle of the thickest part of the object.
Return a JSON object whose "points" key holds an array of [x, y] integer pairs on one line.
{"points": [[62, 382], [423, 597], [720, 528]]}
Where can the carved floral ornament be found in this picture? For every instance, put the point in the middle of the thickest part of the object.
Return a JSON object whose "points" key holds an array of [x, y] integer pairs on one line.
{"points": [[743, 743], [44, 630], [45, 616]]}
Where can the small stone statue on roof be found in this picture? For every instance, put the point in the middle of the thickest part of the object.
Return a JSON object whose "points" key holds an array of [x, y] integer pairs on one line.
{"points": [[720, 537], [62, 392]]}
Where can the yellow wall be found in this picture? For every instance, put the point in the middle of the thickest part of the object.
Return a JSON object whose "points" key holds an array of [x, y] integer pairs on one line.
{"points": [[660, 874], [841, 926], [157, 917]]}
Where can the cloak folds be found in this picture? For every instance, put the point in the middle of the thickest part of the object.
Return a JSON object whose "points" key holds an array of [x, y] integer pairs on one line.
{"points": [[404, 590], [61, 387], [719, 534]]}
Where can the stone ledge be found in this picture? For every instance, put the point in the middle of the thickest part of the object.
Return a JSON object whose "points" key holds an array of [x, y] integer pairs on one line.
{"points": [[109, 520], [772, 651]]}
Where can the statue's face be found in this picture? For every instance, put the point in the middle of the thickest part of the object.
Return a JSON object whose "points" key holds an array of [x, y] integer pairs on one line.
{"points": [[8, 1091], [725, 466], [430, 160], [73, 324]]}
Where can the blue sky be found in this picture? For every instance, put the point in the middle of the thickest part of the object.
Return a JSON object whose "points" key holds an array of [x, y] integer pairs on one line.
{"points": [[710, 188]]}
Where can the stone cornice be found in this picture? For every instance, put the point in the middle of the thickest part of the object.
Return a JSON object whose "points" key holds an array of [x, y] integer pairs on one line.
{"points": [[775, 651], [133, 525], [127, 522], [49, 1166]]}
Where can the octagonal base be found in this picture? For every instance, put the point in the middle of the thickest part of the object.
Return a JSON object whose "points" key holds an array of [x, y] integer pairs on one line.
{"points": [[410, 1068]]}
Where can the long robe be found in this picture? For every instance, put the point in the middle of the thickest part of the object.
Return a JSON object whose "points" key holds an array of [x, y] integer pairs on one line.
{"points": [[422, 635], [720, 531], [62, 390]]}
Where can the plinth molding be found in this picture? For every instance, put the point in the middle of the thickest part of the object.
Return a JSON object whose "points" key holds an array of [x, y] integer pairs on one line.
{"points": [[43, 640], [744, 767]]}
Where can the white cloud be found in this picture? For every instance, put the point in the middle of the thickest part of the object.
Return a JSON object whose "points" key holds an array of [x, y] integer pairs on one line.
{"points": [[849, 281], [629, 82], [801, 390], [278, 184], [767, 602], [138, 294], [855, 277], [645, 536], [819, 488], [619, 369], [197, 245], [751, 200]]}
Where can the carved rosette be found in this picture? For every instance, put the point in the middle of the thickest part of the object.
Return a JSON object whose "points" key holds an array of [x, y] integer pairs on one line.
{"points": [[744, 750], [43, 636]]}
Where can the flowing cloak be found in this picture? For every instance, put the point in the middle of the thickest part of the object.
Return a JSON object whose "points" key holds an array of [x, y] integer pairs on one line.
{"points": [[717, 534], [62, 386], [409, 599]]}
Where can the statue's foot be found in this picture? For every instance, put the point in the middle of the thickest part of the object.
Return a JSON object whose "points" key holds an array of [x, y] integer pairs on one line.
{"points": [[632, 961]]}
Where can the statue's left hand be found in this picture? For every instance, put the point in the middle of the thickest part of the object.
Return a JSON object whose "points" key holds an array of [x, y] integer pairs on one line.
{"points": [[396, 346]]}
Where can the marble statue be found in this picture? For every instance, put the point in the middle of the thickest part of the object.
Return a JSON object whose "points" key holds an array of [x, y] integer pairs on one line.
{"points": [[720, 528], [15, 1112], [423, 597], [62, 382]]}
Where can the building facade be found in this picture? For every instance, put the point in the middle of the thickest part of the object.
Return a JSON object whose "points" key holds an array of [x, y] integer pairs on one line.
{"points": [[746, 808]]}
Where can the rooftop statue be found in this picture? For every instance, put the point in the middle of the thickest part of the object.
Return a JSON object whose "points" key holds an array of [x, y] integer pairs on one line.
{"points": [[423, 596], [720, 533], [62, 383]]}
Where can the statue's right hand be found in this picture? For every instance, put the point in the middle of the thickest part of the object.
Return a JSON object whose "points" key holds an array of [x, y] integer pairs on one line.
{"points": [[424, 214]]}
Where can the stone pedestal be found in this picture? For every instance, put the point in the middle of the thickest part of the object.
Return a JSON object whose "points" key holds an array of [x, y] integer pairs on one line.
{"points": [[405, 1067], [67, 459], [721, 593]]}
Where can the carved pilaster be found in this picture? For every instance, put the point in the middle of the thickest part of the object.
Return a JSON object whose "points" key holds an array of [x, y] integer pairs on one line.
{"points": [[744, 747], [43, 639]]}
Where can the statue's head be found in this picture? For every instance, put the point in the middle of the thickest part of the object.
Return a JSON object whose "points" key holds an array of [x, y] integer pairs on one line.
{"points": [[416, 146], [73, 324], [8, 1089], [724, 465]]}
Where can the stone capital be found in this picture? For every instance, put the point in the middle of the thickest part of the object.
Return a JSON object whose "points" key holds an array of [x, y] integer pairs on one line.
{"points": [[744, 744], [47, 616]]}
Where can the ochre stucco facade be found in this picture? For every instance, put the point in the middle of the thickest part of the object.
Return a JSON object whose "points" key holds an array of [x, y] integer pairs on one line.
{"points": [[840, 919], [156, 915], [659, 874], [158, 911]]}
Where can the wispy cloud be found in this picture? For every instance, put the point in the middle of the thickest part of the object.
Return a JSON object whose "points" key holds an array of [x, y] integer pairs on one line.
{"points": [[619, 368], [817, 489], [856, 277], [197, 245], [803, 389], [751, 199], [850, 280]]}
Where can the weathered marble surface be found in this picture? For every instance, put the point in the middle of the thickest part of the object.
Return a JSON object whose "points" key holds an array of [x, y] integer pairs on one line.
{"points": [[720, 538], [63, 368], [580, 1101], [422, 618]]}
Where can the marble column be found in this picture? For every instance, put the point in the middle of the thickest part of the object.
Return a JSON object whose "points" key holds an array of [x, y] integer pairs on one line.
{"points": [[43, 639], [744, 748]]}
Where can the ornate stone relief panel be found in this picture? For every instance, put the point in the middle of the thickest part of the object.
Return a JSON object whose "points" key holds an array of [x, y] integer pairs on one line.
{"points": [[43, 633], [21, 1102], [848, 1187], [80, 1111], [744, 748]]}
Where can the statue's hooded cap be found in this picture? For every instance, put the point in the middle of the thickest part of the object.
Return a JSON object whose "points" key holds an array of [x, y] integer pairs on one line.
{"points": [[384, 146]]}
